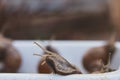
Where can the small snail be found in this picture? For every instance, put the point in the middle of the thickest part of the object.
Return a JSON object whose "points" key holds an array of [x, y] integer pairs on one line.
{"points": [[97, 59], [57, 63], [10, 60]]}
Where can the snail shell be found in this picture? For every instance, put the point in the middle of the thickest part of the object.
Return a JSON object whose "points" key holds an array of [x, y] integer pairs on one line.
{"points": [[91, 60], [10, 59], [45, 68]]}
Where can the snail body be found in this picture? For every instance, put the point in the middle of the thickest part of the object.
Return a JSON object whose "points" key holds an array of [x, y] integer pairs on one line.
{"points": [[60, 65]]}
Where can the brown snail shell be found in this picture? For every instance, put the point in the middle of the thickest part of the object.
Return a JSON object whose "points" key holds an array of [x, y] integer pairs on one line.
{"points": [[10, 60], [96, 58], [45, 68]]}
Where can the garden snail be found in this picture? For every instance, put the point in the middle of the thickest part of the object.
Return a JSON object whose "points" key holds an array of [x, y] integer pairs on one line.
{"points": [[57, 63], [97, 59], [10, 60]]}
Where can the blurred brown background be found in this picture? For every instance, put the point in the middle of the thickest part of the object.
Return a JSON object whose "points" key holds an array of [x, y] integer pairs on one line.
{"points": [[66, 19]]}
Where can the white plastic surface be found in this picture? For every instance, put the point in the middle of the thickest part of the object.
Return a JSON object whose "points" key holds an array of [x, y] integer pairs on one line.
{"points": [[71, 50]]}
